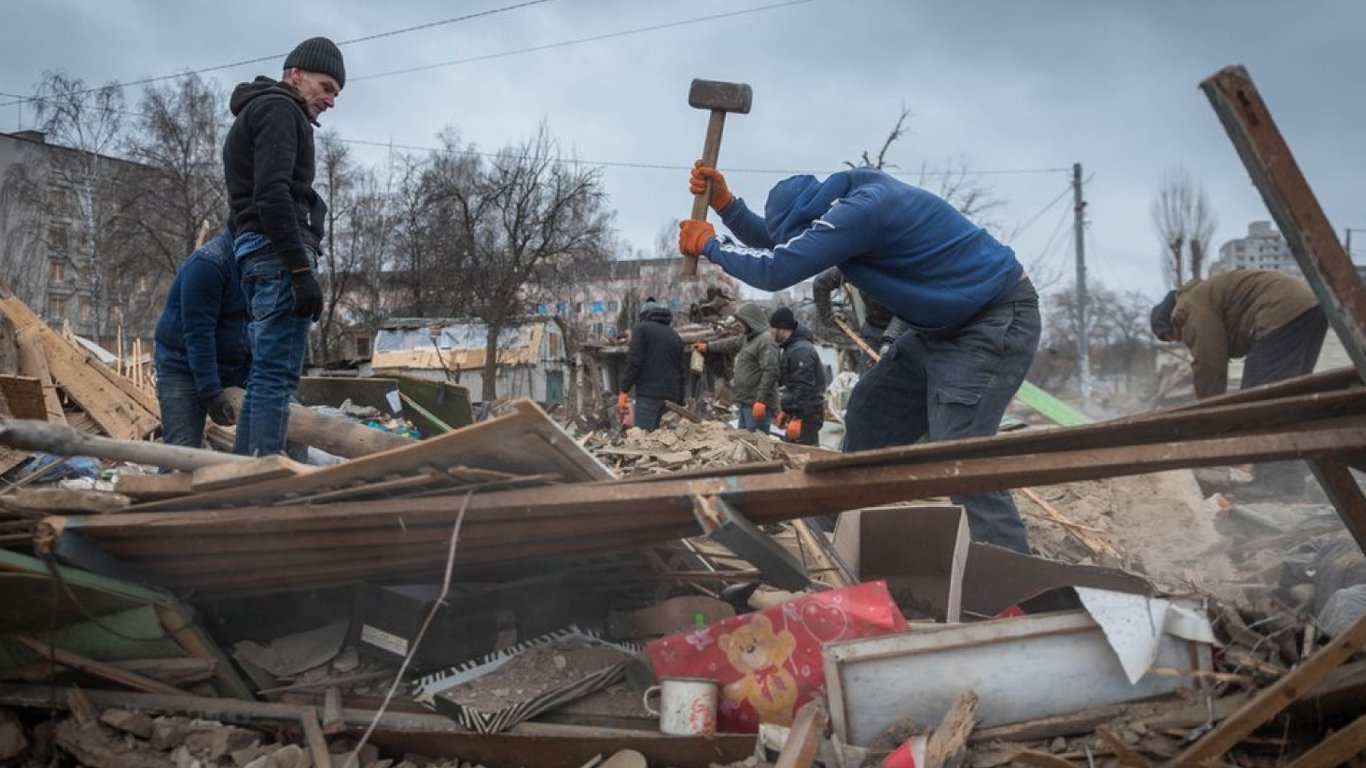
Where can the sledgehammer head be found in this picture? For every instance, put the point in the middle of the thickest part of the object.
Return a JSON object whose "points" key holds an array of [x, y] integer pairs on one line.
{"points": [[714, 94]]}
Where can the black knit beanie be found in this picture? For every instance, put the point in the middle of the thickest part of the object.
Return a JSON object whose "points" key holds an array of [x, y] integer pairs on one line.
{"points": [[318, 54], [782, 317], [1161, 317]]}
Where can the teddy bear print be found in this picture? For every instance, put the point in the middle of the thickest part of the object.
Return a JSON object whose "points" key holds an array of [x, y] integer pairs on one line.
{"points": [[759, 654]]}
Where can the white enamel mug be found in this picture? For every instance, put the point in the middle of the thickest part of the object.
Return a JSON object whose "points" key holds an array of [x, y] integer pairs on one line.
{"points": [[687, 705]]}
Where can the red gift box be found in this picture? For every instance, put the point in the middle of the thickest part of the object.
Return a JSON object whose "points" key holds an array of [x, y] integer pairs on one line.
{"points": [[768, 664]]}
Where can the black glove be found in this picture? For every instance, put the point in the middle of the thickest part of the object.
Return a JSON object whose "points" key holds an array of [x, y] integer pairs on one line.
{"points": [[221, 411], [308, 297]]}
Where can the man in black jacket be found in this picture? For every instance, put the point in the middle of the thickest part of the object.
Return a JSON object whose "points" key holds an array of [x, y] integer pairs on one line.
{"points": [[801, 406], [654, 366], [276, 218]]}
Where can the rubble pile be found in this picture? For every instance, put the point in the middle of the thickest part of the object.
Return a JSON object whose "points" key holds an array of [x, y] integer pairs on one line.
{"points": [[683, 444]]}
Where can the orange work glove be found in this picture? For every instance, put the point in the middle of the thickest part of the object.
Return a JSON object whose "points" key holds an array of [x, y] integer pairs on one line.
{"points": [[781, 419], [700, 347], [794, 430], [623, 402], [758, 410], [720, 193], [693, 236]]}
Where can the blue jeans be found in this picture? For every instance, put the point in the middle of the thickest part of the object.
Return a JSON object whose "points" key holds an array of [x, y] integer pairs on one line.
{"points": [[279, 343], [182, 412], [747, 421], [648, 412], [942, 389]]}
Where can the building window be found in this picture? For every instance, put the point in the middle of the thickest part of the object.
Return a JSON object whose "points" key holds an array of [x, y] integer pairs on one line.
{"points": [[362, 346], [554, 346], [87, 311], [613, 305], [541, 309], [578, 307], [597, 329], [56, 306], [58, 270], [57, 238], [597, 308], [144, 283]]}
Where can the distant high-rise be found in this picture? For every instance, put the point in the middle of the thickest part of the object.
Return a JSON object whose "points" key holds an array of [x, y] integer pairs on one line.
{"points": [[1263, 248]]}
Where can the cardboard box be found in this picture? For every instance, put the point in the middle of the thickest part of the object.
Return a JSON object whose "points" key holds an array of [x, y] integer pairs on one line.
{"points": [[920, 550], [386, 620]]}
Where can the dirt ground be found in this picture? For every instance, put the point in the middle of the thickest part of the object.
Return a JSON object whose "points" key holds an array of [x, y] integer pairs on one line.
{"points": [[1158, 525]]}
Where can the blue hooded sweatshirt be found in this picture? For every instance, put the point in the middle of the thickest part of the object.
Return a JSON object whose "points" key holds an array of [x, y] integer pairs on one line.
{"points": [[203, 328], [905, 247]]}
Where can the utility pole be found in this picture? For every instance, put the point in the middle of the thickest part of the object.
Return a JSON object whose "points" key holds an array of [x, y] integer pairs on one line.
{"points": [[1078, 235]]}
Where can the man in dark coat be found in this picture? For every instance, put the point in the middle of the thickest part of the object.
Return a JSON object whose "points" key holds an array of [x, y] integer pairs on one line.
{"points": [[654, 366], [277, 220], [802, 402], [201, 344]]}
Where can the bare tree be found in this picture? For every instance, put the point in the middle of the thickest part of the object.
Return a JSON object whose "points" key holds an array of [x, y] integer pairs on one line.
{"points": [[530, 214], [82, 178], [178, 137], [1185, 222]]}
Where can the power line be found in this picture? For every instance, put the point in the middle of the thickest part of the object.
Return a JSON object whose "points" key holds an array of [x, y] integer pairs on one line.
{"points": [[593, 38], [1065, 191], [671, 167], [276, 56]]}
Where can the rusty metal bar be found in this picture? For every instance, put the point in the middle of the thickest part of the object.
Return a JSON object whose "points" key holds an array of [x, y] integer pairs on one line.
{"points": [[1293, 205], [1314, 243]]}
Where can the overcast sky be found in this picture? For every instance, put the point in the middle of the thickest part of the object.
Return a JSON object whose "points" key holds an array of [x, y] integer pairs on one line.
{"points": [[1025, 86]]}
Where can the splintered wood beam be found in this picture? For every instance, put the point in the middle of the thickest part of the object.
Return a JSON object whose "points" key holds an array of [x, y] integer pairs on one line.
{"points": [[61, 440], [1339, 747], [1272, 699], [1293, 205]]}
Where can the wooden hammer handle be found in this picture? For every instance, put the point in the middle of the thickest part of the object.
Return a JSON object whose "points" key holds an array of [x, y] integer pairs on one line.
{"points": [[711, 149]]}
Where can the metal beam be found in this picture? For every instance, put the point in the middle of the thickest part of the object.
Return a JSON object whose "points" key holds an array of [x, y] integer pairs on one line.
{"points": [[1292, 203]]}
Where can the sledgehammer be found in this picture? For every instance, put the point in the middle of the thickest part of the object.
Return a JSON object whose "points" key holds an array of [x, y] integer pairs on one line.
{"points": [[720, 98]]}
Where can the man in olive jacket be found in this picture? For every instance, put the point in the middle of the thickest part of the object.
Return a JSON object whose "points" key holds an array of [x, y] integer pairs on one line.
{"points": [[1270, 318], [755, 382]]}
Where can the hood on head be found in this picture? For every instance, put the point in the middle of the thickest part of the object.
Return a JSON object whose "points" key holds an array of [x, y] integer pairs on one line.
{"points": [[261, 86], [795, 202], [1160, 319], [753, 316], [656, 313]]}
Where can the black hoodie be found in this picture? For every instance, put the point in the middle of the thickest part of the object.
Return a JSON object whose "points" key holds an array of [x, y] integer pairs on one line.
{"points": [[654, 359], [268, 162], [802, 378]]}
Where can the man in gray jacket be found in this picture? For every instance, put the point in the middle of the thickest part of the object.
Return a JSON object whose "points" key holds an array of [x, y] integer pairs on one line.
{"points": [[755, 382]]}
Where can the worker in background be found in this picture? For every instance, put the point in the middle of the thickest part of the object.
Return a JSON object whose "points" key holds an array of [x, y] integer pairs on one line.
{"points": [[879, 327], [755, 381], [277, 221], [973, 314], [801, 377], [654, 366], [201, 344], [1271, 319]]}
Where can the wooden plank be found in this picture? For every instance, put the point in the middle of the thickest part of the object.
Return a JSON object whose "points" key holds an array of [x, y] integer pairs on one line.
{"points": [[947, 745], [764, 498], [804, 738], [1274, 698], [33, 363], [90, 666], [24, 397], [65, 500], [313, 734], [524, 442], [166, 485], [1339, 747], [240, 473]]}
